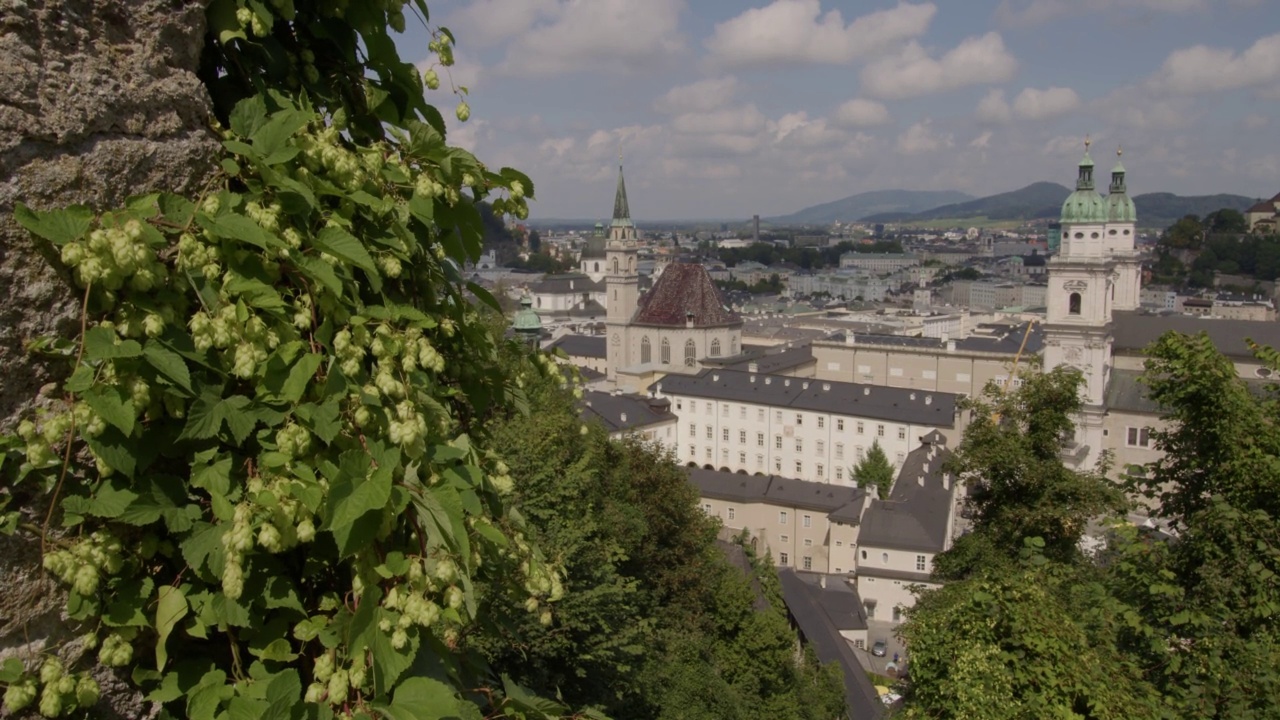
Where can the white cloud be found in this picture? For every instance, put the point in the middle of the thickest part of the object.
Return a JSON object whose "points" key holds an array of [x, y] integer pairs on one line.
{"points": [[597, 35], [994, 108], [982, 142], [920, 138], [1255, 121], [1033, 104], [912, 73], [488, 22], [797, 31], [1023, 13], [1202, 68], [745, 119], [701, 96], [860, 112]]}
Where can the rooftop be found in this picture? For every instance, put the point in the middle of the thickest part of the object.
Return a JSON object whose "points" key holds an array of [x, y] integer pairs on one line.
{"points": [[621, 413], [777, 490], [904, 405], [592, 346], [1135, 331], [918, 510], [684, 292], [566, 283]]}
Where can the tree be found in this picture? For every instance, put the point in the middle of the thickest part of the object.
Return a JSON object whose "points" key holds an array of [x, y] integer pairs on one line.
{"points": [[1010, 458], [535, 241], [1185, 234], [1226, 221], [269, 454], [874, 471]]}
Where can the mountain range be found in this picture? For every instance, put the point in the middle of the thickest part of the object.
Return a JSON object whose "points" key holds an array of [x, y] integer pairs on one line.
{"points": [[1041, 200], [862, 205]]}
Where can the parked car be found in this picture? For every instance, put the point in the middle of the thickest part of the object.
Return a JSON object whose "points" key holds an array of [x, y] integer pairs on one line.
{"points": [[879, 648]]}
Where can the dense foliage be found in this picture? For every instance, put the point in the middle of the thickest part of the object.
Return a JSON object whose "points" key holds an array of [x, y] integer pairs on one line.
{"points": [[874, 471], [1150, 626], [269, 490], [656, 622], [1193, 249]]}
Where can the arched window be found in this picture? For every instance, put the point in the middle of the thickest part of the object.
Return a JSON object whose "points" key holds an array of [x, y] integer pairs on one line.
{"points": [[1073, 304], [715, 348], [646, 353], [733, 346], [615, 266], [597, 266], [666, 352], [632, 264], [690, 353]]}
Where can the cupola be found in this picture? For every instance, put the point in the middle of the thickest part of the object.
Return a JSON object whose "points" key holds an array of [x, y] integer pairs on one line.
{"points": [[1085, 205]]}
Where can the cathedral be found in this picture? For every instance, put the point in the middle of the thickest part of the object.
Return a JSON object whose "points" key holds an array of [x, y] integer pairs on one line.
{"points": [[1095, 273], [680, 321]]}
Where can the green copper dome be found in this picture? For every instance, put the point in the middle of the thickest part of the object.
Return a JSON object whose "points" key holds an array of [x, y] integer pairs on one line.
{"points": [[527, 321], [1084, 205], [1120, 207]]}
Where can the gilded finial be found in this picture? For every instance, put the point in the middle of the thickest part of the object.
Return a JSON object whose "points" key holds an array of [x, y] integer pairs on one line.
{"points": [[619, 153], [1119, 151], [1087, 143]]}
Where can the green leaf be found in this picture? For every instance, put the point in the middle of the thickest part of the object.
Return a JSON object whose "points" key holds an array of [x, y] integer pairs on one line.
{"points": [[203, 547], [342, 244], [388, 662], [355, 496], [126, 610], [421, 698], [169, 364], [272, 136], [214, 477], [102, 343], [82, 379], [278, 650], [57, 226], [318, 270], [11, 670], [171, 607], [115, 451], [299, 376], [241, 229], [110, 405]]}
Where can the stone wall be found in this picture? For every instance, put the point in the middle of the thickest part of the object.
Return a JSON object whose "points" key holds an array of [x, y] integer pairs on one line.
{"points": [[98, 101]]}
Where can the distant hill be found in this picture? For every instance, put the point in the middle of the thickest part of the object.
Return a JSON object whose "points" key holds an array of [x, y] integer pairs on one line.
{"points": [[1037, 200], [858, 207], [1162, 209], [1044, 200]]}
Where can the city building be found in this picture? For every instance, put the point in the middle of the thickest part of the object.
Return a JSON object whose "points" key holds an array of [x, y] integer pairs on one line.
{"points": [[1264, 216], [879, 262], [630, 415], [815, 430]]}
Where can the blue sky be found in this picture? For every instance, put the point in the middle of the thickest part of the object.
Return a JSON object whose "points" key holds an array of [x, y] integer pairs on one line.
{"points": [[728, 109]]}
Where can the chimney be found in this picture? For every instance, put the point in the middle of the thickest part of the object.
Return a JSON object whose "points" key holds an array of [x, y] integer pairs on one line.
{"points": [[688, 320], [848, 339], [826, 387], [753, 379], [866, 390], [951, 346], [822, 581], [753, 367], [920, 480], [913, 396], [925, 468], [659, 390], [570, 284], [786, 382], [715, 377], [624, 417], [804, 385], [928, 399], [946, 481], [768, 380]]}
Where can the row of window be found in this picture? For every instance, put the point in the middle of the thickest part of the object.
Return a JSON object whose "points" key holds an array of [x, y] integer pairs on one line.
{"points": [[860, 429], [806, 562], [819, 468], [690, 350], [921, 560]]}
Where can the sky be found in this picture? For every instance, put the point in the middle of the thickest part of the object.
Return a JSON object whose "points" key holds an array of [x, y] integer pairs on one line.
{"points": [[725, 109]]}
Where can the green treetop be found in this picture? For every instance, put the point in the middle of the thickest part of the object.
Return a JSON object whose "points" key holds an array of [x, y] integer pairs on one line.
{"points": [[874, 471]]}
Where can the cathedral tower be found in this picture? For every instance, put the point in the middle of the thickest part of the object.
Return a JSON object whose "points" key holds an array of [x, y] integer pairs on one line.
{"points": [[1122, 216], [1080, 300], [622, 280]]}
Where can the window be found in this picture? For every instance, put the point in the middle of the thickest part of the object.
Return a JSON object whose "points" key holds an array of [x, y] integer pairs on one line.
{"points": [[839, 543], [808, 563], [808, 520], [897, 613], [679, 404], [783, 559], [884, 558], [711, 409], [707, 454], [864, 554], [759, 439], [777, 442], [1138, 437], [859, 428], [666, 352], [920, 563], [857, 452], [1073, 304], [760, 415], [839, 473], [693, 451], [784, 539], [693, 430], [898, 458], [799, 468], [724, 456], [799, 445], [840, 424], [839, 451], [742, 413], [777, 464], [715, 348], [962, 377], [742, 437], [731, 512], [902, 433], [724, 434], [799, 419], [822, 447], [724, 410], [690, 353], [819, 471], [929, 374], [709, 432], [707, 508], [742, 458], [879, 431], [759, 462], [895, 372], [782, 517], [808, 542], [859, 643], [822, 422], [646, 352]]}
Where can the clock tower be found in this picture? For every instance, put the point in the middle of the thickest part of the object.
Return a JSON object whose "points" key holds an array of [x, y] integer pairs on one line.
{"points": [[622, 281]]}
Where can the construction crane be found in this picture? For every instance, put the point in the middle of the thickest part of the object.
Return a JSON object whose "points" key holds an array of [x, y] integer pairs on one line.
{"points": [[1013, 373]]}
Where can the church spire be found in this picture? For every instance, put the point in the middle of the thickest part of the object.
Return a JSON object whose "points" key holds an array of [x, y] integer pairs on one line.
{"points": [[1084, 181], [620, 209], [1117, 174]]}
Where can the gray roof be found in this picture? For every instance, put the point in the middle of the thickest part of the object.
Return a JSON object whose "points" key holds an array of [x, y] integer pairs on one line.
{"points": [[770, 362], [592, 346], [1124, 392], [565, 284], [1006, 341], [619, 413], [807, 604], [916, 514], [776, 490], [1133, 331], [877, 402]]}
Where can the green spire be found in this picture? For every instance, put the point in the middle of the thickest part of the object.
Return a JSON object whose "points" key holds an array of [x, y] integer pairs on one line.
{"points": [[526, 322], [1117, 174], [1120, 207], [1084, 180], [621, 212], [1084, 205]]}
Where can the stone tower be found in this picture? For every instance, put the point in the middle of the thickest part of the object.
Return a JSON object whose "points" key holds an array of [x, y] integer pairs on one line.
{"points": [[622, 280], [1080, 298], [1122, 217]]}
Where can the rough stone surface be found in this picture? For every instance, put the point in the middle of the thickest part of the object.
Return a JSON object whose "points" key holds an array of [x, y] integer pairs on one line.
{"points": [[98, 101]]}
